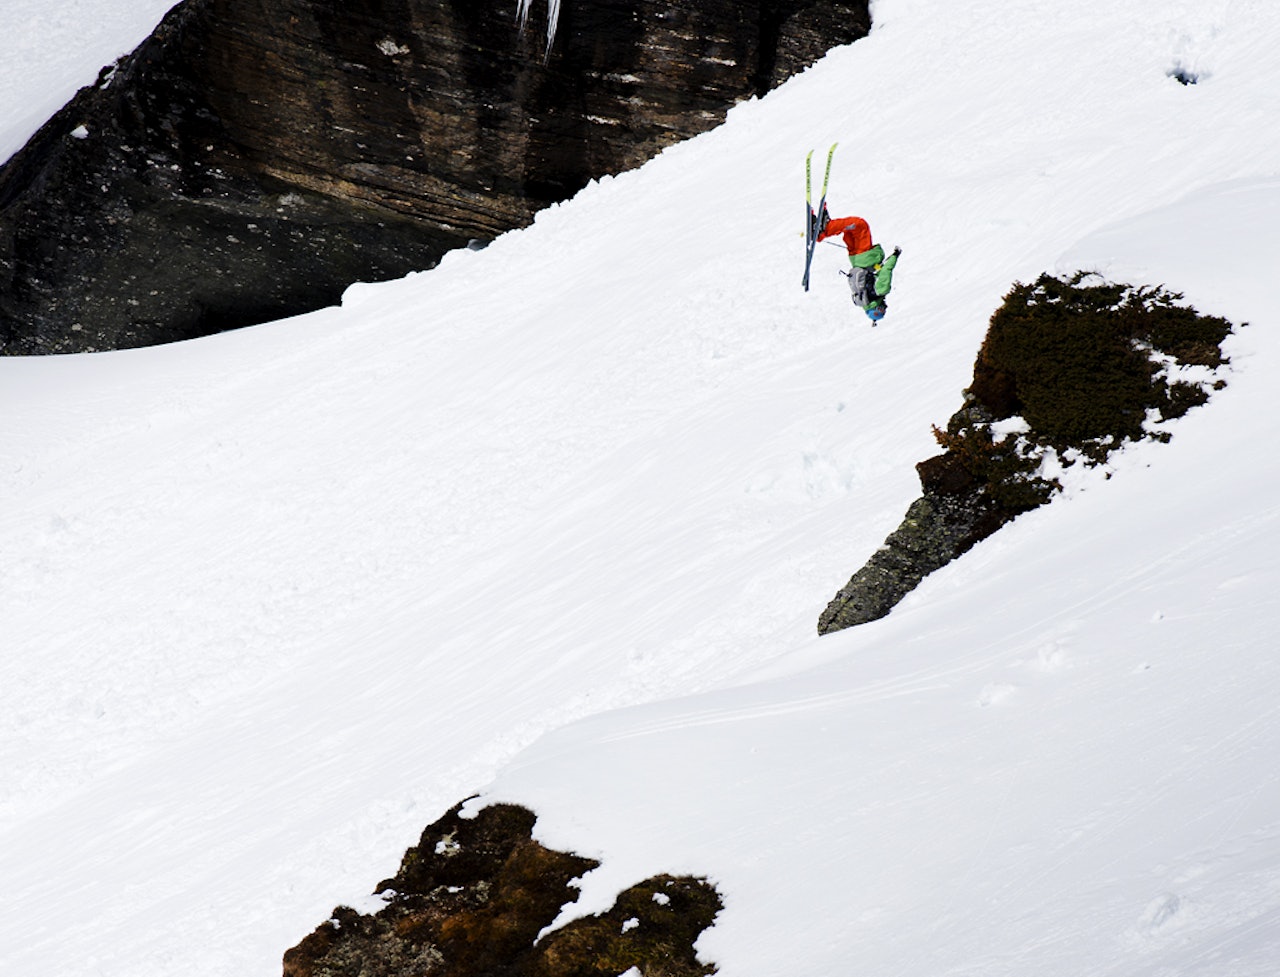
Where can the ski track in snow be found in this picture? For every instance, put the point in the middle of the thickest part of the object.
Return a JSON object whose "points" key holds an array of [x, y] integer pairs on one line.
{"points": [[553, 523]]}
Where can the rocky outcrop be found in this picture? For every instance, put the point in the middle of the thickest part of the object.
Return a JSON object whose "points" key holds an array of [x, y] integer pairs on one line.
{"points": [[251, 160], [938, 527], [472, 897], [1070, 370]]}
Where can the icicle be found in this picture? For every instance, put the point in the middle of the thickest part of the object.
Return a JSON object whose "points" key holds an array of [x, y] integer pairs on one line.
{"points": [[553, 18]]}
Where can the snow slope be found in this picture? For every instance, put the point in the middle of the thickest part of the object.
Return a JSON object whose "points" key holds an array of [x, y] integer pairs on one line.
{"points": [[51, 48], [554, 522]]}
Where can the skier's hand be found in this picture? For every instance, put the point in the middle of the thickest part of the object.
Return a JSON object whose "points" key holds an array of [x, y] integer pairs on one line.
{"points": [[896, 252]]}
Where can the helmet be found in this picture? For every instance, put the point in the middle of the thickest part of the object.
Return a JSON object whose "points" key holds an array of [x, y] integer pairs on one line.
{"points": [[875, 312]]}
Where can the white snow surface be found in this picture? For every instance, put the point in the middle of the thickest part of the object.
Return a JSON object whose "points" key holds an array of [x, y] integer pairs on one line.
{"points": [[51, 48], [553, 524]]}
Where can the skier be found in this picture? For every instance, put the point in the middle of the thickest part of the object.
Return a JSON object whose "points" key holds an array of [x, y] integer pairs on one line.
{"points": [[871, 276]]}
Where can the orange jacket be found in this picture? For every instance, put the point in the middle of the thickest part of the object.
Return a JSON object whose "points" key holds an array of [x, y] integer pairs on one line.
{"points": [[857, 233]]}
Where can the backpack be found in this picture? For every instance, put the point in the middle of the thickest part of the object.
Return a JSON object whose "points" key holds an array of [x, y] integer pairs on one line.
{"points": [[862, 285]]}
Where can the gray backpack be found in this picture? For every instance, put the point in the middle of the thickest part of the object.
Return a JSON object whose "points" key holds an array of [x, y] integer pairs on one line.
{"points": [[862, 285]]}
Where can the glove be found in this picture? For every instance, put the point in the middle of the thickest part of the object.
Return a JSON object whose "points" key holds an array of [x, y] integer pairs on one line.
{"points": [[896, 252]]}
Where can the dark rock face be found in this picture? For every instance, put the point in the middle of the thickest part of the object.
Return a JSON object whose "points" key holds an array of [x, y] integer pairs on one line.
{"points": [[250, 160], [472, 896]]}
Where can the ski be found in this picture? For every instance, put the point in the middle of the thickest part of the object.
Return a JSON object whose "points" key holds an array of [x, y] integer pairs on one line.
{"points": [[810, 239], [813, 219]]}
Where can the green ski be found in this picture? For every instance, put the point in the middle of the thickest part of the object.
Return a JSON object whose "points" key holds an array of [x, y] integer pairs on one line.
{"points": [[814, 221]]}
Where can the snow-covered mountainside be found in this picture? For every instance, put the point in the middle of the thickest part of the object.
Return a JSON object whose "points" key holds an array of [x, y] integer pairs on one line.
{"points": [[553, 523], [49, 50]]}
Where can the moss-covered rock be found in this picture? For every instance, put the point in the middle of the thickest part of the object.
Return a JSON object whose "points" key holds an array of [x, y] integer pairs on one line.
{"points": [[651, 927], [1086, 361], [472, 896], [1070, 370]]}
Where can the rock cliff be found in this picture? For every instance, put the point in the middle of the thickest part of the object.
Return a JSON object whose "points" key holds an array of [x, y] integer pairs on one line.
{"points": [[250, 159]]}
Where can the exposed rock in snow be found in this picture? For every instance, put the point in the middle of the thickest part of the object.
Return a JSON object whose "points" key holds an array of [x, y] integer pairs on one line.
{"points": [[1092, 364], [473, 896]]}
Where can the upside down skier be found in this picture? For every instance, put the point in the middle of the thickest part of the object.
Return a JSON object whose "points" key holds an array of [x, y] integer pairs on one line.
{"points": [[871, 276]]}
